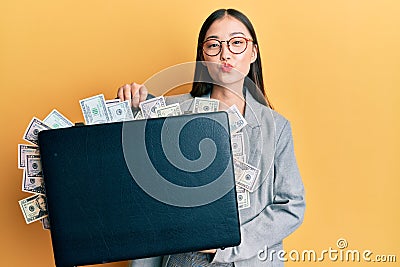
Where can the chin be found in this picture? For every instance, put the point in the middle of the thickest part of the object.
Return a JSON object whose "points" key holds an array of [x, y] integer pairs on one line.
{"points": [[230, 79]]}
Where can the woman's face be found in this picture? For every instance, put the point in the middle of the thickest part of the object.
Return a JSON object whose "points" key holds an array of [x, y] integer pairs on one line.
{"points": [[228, 68]]}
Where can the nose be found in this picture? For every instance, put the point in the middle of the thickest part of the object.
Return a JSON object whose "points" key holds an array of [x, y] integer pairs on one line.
{"points": [[225, 53]]}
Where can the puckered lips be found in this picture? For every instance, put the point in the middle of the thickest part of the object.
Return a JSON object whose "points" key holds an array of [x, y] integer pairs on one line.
{"points": [[226, 67]]}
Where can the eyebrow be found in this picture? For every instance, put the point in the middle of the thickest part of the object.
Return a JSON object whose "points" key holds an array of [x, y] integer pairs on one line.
{"points": [[231, 34]]}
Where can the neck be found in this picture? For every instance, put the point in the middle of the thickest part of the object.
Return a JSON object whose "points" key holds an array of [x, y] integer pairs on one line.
{"points": [[229, 96]]}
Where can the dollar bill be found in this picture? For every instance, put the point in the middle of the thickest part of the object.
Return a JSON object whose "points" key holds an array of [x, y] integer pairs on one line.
{"points": [[202, 105], [248, 175], [237, 140], [243, 197], [236, 120], [168, 111], [33, 166], [238, 170], [94, 110], [112, 101], [149, 107], [34, 127], [56, 120], [45, 223], [34, 208], [33, 184], [120, 111], [139, 116], [241, 158], [24, 150]]}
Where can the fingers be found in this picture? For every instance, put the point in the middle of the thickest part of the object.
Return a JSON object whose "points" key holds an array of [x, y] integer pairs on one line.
{"points": [[128, 91], [143, 93], [120, 94], [133, 92], [125, 92], [139, 93], [135, 95]]}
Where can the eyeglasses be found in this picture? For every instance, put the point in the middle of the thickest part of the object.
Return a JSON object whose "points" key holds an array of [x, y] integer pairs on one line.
{"points": [[236, 45]]}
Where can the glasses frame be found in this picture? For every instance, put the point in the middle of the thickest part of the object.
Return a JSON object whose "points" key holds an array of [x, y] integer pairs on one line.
{"points": [[227, 44]]}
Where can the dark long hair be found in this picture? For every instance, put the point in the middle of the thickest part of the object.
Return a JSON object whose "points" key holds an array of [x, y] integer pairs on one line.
{"points": [[200, 88]]}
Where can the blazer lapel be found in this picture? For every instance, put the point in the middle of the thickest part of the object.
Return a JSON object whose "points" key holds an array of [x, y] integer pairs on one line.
{"points": [[259, 137]]}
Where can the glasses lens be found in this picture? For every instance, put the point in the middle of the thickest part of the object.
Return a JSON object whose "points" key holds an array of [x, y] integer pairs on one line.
{"points": [[212, 47], [237, 45]]}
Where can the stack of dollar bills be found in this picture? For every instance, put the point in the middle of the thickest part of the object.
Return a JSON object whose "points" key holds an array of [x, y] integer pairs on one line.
{"points": [[34, 207], [97, 110]]}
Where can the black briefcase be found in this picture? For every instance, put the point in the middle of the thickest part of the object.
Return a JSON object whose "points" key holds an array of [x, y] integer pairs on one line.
{"points": [[137, 189]]}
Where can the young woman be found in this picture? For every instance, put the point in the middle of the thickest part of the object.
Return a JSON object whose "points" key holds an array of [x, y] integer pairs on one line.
{"points": [[229, 70]]}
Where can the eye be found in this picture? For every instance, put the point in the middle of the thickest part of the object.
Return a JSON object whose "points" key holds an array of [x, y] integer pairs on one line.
{"points": [[212, 44], [237, 41]]}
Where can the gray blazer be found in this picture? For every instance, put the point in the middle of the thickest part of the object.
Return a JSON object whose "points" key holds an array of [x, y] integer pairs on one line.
{"points": [[277, 202]]}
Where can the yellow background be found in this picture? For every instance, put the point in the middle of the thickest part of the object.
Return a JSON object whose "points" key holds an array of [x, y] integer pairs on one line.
{"points": [[332, 67]]}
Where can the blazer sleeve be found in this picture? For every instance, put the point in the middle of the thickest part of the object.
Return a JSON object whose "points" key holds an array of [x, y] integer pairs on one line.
{"points": [[282, 216]]}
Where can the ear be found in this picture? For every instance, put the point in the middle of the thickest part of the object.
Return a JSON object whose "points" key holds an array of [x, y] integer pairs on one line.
{"points": [[254, 53]]}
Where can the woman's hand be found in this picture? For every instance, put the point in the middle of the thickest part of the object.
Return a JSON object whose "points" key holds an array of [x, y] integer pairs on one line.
{"points": [[135, 93], [212, 251]]}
